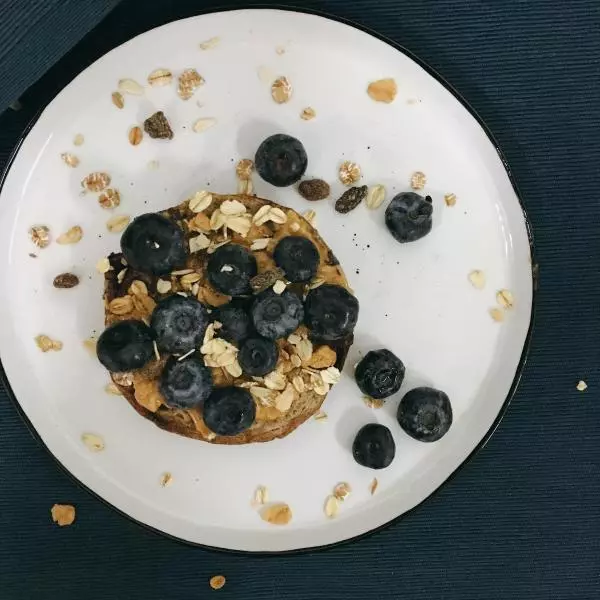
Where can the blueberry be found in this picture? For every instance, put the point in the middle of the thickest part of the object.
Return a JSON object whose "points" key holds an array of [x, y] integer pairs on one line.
{"points": [[229, 410], [277, 315], [125, 345], [374, 446], [258, 356], [185, 383], [379, 374], [425, 414], [153, 244], [331, 312], [409, 216], [281, 160], [298, 257], [230, 269], [236, 325], [179, 323]]}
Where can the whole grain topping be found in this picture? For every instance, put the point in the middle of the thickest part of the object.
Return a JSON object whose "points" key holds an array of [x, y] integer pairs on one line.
{"points": [[135, 136], [332, 507], [244, 168], [157, 126], [210, 43], [373, 486], [582, 386], [118, 223], [375, 197], [497, 314], [160, 77], [118, 100], [349, 172], [130, 86], [166, 479]]}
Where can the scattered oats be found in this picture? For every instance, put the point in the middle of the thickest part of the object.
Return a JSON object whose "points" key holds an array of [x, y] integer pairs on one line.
{"points": [[331, 375], [71, 236], [118, 100], [182, 272], [190, 278], [46, 343], [294, 227], [200, 201], [277, 514], [373, 486], [78, 140], [234, 368], [109, 198], [121, 275], [135, 136], [90, 345], [383, 90], [260, 244], [160, 77], [65, 281], [275, 381], [166, 479], [203, 124], [70, 159], [315, 283], [156, 352], [477, 279], [279, 287], [95, 182], [63, 514], [373, 402], [277, 215], [497, 314], [195, 289], [284, 401], [321, 416], [138, 288], [582, 386], [349, 173], [157, 126], [505, 299], [103, 265], [320, 387], [232, 207], [118, 223], [375, 197], [94, 442], [342, 490], [244, 168], [298, 384], [308, 114], [112, 389], [294, 339], [189, 81], [261, 496], [418, 180], [304, 349], [296, 361], [129, 86], [310, 216], [245, 187], [211, 43], [450, 199], [332, 507], [153, 165], [279, 50], [218, 581], [200, 242], [40, 235], [121, 306], [264, 395], [215, 247], [281, 90], [217, 220]]}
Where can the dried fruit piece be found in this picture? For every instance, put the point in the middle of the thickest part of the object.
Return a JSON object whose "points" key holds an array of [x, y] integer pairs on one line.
{"points": [[78, 140], [63, 514], [349, 172], [350, 199], [450, 199], [117, 223], [95, 182], [65, 281], [281, 90], [217, 582], [109, 198], [373, 486], [189, 81], [265, 280], [332, 507], [477, 279], [497, 314], [160, 77], [314, 189], [118, 100], [203, 124], [375, 197], [342, 490], [157, 126], [94, 442], [308, 113], [40, 235], [70, 159], [135, 136], [244, 168], [277, 514], [383, 90], [208, 44], [166, 479], [582, 386], [130, 86], [418, 180], [46, 343], [505, 299]]}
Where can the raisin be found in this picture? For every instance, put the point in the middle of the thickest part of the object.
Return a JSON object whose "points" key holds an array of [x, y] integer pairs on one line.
{"points": [[350, 199]]}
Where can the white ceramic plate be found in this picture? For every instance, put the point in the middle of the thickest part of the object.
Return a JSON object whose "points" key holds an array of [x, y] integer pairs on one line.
{"points": [[415, 299]]}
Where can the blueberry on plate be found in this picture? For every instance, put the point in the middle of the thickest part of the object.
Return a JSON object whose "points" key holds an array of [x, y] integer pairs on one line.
{"points": [[236, 325], [229, 410], [125, 345], [425, 414], [374, 446], [185, 383], [281, 160], [379, 374], [276, 315], [153, 244], [331, 312], [409, 216], [298, 257], [230, 269], [258, 356], [179, 323]]}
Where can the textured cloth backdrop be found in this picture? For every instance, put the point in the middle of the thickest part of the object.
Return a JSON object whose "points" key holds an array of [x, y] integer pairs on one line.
{"points": [[522, 520]]}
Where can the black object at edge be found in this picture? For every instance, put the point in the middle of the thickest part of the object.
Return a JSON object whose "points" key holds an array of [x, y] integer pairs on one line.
{"points": [[522, 360]]}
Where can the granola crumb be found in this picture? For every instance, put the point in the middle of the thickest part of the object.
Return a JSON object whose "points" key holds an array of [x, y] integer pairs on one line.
{"points": [[40, 235], [342, 490], [135, 136], [349, 172], [166, 479], [157, 126], [281, 90], [244, 168], [477, 279], [217, 582], [71, 236], [308, 114], [70, 159], [332, 507], [109, 198], [373, 486], [505, 299], [450, 199], [160, 77], [63, 514], [373, 402], [277, 514], [582, 386], [497, 314], [45, 343], [95, 182], [383, 90], [118, 223], [189, 81], [418, 180], [93, 442], [261, 496]]}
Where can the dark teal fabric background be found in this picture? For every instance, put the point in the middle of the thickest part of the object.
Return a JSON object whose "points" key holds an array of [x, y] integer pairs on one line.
{"points": [[521, 520]]}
